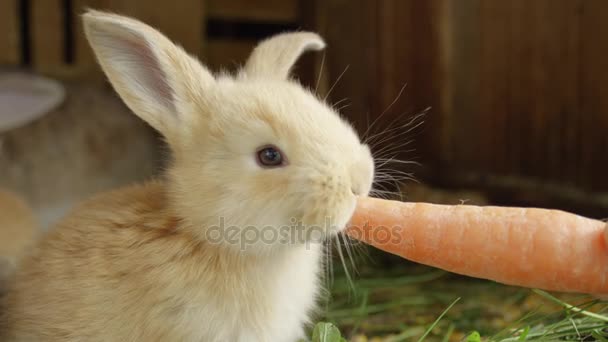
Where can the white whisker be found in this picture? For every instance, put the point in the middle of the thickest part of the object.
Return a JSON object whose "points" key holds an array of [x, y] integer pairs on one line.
{"points": [[320, 73], [335, 83], [383, 112]]}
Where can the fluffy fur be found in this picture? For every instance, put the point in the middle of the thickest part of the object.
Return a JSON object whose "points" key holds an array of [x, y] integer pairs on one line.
{"points": [[138, 264], [17, 231]]}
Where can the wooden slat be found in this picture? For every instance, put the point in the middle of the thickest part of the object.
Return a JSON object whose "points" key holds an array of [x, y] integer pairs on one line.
{"points": [[227, 54], [525, 94], [461, 54], [9, 33], [593, 99], [535, 108], [397, 45], [397, 56], [47, 40], [513, 78], [571, 124], [561, 36], [518, 93], [408, 46], [255, 10], [427, 17], [352, 45], [543, 88], [493, 76]]}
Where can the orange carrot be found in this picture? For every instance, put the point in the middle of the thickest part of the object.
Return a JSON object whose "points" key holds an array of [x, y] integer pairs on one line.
{"points": [[536, 248]]}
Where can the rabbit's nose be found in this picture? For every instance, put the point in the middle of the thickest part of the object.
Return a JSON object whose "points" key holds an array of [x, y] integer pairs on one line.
{"points": [[361, 179]]}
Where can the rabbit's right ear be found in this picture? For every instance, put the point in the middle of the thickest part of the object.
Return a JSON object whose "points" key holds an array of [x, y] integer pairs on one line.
{"points": [[153, 76]]}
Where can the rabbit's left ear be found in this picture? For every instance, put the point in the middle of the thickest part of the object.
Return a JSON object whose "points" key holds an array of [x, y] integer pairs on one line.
{"points": [[275, 56], [153, 76]]}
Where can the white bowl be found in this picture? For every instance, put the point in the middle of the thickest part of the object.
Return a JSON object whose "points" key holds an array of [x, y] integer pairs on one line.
{"points": [[26, 97]]}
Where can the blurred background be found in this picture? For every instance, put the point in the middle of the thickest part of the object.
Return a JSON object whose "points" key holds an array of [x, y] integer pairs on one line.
{"points": [[513, 91], [504, 102]]}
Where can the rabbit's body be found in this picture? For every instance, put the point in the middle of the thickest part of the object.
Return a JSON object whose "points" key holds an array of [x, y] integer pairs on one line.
{"points": [[154, 282], [252, 154]]}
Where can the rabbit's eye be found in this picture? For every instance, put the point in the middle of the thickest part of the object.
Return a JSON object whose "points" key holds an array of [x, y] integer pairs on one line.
{"points": [[270, 156]]}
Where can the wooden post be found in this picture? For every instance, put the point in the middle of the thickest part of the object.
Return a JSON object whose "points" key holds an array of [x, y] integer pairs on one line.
{"points": [[9, 33], [593, 95], [48, 48]]}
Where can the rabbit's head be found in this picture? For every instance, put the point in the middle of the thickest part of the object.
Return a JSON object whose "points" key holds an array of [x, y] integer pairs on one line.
{"points": [[254, 154]]}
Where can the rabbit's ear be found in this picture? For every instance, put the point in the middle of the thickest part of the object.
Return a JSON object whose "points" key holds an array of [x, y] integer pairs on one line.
{"points": [[154, 77], [274, 57]]}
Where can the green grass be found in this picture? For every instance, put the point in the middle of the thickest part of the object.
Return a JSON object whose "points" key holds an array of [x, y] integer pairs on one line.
{"points": [[406, 302]]}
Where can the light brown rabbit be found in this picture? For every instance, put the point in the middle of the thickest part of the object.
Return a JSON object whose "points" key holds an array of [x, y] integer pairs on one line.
{"points": [[17, 231], [225, 247]]}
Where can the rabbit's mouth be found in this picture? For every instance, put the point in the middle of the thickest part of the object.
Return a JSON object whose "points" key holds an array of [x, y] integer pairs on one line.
{"points": [[336, 219]]}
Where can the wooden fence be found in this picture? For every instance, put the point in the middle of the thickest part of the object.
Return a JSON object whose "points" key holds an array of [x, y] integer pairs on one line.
{"points": [[46, 35], [518, 88]]}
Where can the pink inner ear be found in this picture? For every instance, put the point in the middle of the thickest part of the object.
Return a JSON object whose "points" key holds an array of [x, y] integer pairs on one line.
{"points": [[145, 70]]}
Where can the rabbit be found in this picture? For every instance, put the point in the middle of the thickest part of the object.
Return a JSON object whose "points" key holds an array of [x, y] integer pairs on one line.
{"points": [[251, 153], [18, 229]]}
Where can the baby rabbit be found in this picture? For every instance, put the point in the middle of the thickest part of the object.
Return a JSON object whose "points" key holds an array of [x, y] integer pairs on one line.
{"points": [[207, 253]]}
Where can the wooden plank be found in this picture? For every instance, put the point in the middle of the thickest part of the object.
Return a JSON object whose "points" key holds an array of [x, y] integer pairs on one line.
{"points": [[47, 22], [560, 47], [493, 56], [397, 46], [518, 84], [593, 99], [9, 37], [536, 111], [540, 111], [254, 10], [543, 88], [396, 51], [351, 47], [529, 83], [427, 76], [394, 93], [462, 58]]}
